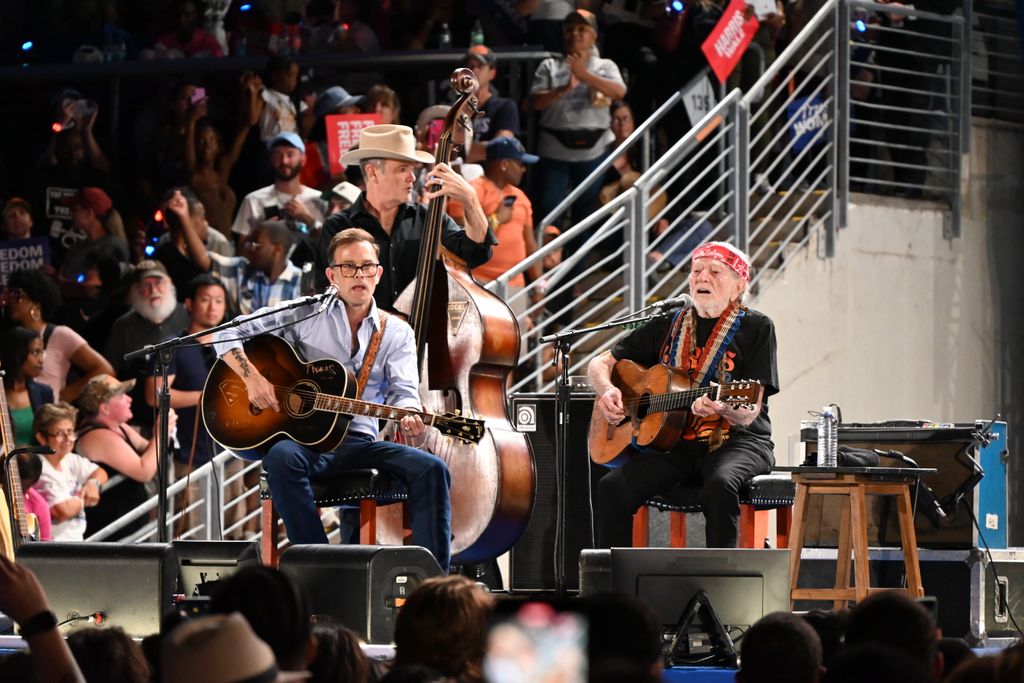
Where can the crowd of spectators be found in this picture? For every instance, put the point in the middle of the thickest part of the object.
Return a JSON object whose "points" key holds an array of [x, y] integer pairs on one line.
{"points": [[189, 199], [451, 630]]}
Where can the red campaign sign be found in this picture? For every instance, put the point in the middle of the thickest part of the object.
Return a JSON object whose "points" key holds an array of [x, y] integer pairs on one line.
{"points": [[343, 133], [729, 40]]}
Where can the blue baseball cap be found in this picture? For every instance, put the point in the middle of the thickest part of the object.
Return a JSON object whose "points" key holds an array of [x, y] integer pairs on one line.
{"points": [[287, 138], [509, 148]]}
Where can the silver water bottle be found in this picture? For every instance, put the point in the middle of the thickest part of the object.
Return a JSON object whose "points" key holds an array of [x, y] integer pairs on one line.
{"points": [[828, 436]]}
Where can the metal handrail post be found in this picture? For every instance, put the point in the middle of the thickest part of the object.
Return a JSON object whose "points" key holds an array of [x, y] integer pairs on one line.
{"points": [[839, 156], [741, 175], [636, 255]]}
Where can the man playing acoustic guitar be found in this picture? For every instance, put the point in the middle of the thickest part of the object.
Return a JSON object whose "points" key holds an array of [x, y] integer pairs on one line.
{"points": [[345, 331], [721, 446]]}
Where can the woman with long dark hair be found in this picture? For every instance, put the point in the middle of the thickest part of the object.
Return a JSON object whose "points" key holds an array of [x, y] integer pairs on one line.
{"points": [[30, 300], [21, 355]]}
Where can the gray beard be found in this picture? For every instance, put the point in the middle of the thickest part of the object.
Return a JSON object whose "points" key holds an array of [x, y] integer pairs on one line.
{"points": [[155, 314]]}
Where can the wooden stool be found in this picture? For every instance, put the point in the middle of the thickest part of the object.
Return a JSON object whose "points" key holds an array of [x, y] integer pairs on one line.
{"points": [[759, 495], [367, 488], [855, 483]]}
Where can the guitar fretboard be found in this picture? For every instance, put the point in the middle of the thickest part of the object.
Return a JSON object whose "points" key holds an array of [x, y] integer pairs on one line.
{"points": [[351, 406], [676, 400]]}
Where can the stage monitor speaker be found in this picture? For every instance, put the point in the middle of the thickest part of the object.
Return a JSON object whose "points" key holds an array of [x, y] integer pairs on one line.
{"points": [[359, 586], [202, 564], [743, 584], [532, 565], [130, 584]]}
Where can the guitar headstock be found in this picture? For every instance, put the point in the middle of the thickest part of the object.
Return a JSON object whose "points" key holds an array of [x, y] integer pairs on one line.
{"points": [[744, 393], [464, 429]]}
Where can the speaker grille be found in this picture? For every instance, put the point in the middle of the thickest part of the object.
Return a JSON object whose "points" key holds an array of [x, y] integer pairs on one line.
{"points": [[532, 560]]}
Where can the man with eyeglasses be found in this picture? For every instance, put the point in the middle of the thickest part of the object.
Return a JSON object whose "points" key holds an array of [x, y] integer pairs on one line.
{"points": [[387, 157], [262, 276], [345, 331]]}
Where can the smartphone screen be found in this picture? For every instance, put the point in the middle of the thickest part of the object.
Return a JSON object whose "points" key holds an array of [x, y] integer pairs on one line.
{"points": [[537, 643], [508, 202], [198, 95]]}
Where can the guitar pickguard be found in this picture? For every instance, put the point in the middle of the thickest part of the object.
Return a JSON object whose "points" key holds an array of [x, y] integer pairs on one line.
{"points": [[233, 391]]}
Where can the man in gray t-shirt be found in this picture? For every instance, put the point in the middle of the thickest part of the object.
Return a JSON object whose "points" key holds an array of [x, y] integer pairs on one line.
{"points": [[574, 93]]}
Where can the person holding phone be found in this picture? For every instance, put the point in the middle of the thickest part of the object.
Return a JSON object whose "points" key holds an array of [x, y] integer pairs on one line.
{"points": [[509, 211]]}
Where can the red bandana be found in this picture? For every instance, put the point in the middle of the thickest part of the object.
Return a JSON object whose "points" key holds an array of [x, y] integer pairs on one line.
{"points": [[727, 254]]}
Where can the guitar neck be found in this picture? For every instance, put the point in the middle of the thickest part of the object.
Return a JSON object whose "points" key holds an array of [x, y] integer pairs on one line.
{"points": [[13, 477], [678, 400], [351, 406]]}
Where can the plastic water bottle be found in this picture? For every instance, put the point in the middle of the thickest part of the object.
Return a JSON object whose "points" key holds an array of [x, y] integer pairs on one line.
{"points": [[444, 40], [828, 436], [476, 36]]}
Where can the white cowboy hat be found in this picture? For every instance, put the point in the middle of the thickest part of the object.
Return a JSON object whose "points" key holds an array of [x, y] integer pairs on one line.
{"points": [[220, 648], [387, 141]]}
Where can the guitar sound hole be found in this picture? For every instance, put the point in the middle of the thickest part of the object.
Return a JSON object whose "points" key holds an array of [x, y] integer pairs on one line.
{"points": [[253, 410], [299, 400], [642, 405]]}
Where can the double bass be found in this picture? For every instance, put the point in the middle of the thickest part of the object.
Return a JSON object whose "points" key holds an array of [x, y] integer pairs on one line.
{"points": [[467, 343]]}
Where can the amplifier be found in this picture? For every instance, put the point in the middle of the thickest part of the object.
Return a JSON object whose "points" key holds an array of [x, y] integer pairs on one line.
{"points": [[971, 463], [531, 563]]}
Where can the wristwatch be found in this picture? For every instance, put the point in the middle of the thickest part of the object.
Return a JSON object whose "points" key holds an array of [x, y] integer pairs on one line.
{"points": [[38, 624]]}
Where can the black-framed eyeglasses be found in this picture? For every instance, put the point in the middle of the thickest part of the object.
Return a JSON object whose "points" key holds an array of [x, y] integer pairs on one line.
{"points": [[350, 269]]}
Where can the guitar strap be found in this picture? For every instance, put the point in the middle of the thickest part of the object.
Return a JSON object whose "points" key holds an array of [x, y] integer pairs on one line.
{"points": [[371, 355], [681, 345]]}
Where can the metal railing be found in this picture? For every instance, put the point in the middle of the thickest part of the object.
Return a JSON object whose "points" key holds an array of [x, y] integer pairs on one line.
{"points": [[209, 515], [996, 59]]}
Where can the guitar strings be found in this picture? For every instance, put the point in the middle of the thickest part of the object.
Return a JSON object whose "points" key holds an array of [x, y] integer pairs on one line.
{"points": [[401, 412]]}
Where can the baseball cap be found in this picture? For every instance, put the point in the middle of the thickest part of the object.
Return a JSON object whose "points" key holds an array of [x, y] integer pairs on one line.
{"points": [[91, 198], [335, 97], [16, 203], [287, 138], [148, 268], [509, 148], [581, 16], [481, 53], [344, 190], [101, 389]]}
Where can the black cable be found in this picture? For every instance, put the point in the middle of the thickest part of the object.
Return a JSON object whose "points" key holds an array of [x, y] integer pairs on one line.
{"points": [[92, 618], [995, 574]]}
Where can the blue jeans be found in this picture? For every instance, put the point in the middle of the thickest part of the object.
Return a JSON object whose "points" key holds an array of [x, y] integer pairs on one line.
{"points": [[290, 466], [554, 181]]}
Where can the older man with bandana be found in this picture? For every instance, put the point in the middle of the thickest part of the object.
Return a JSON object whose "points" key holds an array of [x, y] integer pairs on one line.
{"points": [[722, 446]]}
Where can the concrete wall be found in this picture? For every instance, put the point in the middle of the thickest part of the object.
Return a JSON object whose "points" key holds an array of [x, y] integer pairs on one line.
{"points": [[905, 324]]}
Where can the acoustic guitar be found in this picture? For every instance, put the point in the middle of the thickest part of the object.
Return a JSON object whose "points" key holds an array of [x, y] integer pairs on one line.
{"points": [[317, 401], [16, 525], [657, 402]]}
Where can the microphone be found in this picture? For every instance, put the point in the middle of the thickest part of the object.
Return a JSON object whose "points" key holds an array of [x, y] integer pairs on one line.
{"points": [[326, 297], [681, 301]]}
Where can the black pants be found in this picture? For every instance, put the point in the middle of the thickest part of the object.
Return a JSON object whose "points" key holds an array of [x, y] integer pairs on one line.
{"points": [[719, 475]]}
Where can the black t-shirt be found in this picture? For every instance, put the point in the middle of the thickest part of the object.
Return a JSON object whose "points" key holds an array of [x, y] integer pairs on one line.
{"points": [[497, 113], [399, 251], [750, 356]]}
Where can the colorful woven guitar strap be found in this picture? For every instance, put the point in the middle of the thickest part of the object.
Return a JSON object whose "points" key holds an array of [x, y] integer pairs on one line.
{"points": [[681, 342]]}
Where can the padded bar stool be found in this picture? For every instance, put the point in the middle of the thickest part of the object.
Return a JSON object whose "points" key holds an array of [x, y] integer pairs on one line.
{"points": [[762, 493], [366, 488]]}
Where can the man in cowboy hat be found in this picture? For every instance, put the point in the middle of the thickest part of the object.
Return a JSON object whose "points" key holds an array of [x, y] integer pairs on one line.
{"points": [[387, 157], [722, 446]]}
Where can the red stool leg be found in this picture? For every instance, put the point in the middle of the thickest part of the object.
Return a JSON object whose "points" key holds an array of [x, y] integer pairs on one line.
{"points": [[677, 529], [783, 523], [640, 520], [367, 521], [268, 537]]}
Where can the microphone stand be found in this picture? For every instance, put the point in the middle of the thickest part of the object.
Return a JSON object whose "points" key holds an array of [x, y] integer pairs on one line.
{"points": [[562, 343], [164, 353]]}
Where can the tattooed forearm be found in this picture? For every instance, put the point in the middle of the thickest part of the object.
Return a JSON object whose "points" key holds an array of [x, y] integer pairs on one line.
{"points": [[243, 362]]}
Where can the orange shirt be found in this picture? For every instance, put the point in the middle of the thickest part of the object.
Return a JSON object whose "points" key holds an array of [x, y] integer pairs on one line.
{"points": [[511, 247]]}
